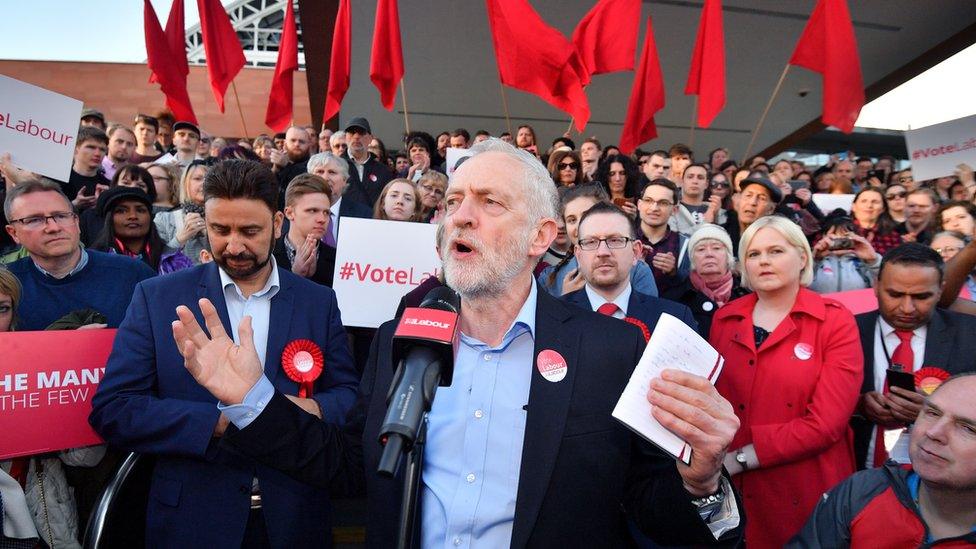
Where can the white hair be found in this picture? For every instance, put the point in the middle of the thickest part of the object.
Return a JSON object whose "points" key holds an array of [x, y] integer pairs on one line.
{"points": [[336, 137], [790, 231], [541, 199], [324, 158]]}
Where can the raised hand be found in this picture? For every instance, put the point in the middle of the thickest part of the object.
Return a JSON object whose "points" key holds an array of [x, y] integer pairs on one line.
{"points": [[225, 369], [690, 407]]}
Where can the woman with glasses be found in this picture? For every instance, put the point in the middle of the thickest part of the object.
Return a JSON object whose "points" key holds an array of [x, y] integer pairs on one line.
{"points": [[895, 198], [565, 167], [166, 179], [431, 189], [184, 229], [948, 244], [793, 372], [871, 220], [720, 186]]}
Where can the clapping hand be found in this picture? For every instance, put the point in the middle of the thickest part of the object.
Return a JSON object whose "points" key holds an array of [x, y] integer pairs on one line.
{"points": [[220, 366], [690, 407], [306, 257]]}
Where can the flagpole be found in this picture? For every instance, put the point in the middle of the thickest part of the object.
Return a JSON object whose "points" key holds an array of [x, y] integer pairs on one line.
{"points": [[403, 96], [762, 118], [570, 128], [239, 110], [508, 119], [694, 121]]}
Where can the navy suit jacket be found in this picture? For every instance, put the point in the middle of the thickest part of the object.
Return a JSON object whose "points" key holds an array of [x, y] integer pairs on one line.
{"points": [[580, 467], [643, 307], [148, 403], [949, 345]]}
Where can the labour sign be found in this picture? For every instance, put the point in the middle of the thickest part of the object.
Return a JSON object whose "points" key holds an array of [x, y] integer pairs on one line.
{"points": [[936, 150], [38, 128], [47, 380], [377, 263]]}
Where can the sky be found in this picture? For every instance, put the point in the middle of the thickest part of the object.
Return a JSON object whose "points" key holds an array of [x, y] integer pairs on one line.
{"points": [[111, 31]]}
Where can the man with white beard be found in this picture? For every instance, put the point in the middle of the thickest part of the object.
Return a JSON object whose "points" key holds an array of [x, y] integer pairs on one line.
{"points": [[521, 448]]}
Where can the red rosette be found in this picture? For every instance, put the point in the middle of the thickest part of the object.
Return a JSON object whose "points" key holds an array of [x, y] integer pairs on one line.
{"points": [[928, 378], [643, 327], [303, 362]]}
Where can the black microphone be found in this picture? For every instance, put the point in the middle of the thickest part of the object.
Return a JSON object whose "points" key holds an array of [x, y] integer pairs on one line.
{"points": [[424, 347]]}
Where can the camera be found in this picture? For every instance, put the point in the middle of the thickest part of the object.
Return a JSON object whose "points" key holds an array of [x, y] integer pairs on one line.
{"points": [[842, 243]]}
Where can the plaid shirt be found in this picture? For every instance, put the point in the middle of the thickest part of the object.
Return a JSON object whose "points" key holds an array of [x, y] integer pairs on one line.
{"points": [[880, 242]]}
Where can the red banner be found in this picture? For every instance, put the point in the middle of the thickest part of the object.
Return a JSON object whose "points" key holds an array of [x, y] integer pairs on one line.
{"points": [[47, 381]]}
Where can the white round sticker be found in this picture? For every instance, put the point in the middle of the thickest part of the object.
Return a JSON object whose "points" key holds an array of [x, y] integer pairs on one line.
{"points": [[551, 365], [803, 351], [304, 361]]}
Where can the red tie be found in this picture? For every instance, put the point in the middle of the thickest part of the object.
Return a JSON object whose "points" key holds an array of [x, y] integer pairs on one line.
{"points": [[904, 359], [607, 309]]}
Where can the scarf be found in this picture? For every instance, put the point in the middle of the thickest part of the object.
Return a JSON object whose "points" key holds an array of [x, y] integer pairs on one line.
{"points": [[718, 291]]}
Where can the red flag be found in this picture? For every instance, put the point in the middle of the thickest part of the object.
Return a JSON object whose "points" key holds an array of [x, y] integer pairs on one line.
{"points": [[706, 78], [828, 46], [646, 97], [165, 67], [534, 57], [176, 35], [225, 57], [605, 38], [340, 64], [386, 62], [279, 113]]}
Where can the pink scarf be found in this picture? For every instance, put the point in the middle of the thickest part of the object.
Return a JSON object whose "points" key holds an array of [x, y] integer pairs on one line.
{"points": [[719, 290]]}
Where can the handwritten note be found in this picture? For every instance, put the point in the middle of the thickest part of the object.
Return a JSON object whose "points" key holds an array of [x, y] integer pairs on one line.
{"points": [[673, 345]]}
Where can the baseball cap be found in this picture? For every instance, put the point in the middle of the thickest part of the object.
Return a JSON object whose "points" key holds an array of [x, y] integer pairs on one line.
{"points": [[184, 125], [359, 122]]}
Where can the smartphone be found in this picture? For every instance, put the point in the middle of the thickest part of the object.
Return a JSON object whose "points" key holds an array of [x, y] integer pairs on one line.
{"points": [[842, 243], [796, 184], [901, 379], [620, 201]]}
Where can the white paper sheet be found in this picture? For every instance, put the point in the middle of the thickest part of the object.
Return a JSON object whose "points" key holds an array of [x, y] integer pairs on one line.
{"points": [[673, 345]]}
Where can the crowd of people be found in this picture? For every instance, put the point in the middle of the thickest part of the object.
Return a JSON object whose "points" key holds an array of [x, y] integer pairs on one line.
{"points": [[740, 251]]}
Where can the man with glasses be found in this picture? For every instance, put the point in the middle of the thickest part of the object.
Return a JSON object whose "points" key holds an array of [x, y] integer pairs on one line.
{"points": [[920, 209], [905, 179], [337, 143], [664, 250], [58, 275], [607, 249]]}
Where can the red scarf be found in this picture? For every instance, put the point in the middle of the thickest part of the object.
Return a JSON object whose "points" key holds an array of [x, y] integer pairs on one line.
{"points": [[718, 290]]}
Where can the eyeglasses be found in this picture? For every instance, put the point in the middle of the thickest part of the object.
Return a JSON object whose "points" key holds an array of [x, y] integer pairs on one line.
{"points": [[663, 204], [35, 222], [905, 179], [569, 166], [719, 184], [947, 250], [893, 196], [613, 242]]}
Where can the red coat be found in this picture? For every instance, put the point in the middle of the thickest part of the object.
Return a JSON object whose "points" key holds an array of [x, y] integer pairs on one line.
{"points": [[794, 398]]}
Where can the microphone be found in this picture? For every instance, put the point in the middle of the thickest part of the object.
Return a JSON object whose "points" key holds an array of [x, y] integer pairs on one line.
{"points": [[424, 348]]}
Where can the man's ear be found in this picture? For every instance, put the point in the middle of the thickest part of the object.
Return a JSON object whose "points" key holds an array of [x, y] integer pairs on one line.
{"points": [[277, 222], [12, 231]]}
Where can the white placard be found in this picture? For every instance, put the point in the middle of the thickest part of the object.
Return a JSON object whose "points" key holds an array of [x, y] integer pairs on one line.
{"points": [[673, 345], [38, 128], [830, 202], [377, 263], [453, 155], [936, 150]]}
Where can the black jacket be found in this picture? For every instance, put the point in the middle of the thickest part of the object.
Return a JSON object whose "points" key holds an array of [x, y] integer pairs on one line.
{"points": [[324, 268], [366, 190], [581, 469]]}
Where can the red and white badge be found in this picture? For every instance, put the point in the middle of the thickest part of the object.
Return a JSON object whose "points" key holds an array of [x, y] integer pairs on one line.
{"points": [[928, 378], [372, 177], [303, 362], [803, 351], [551, 365]]}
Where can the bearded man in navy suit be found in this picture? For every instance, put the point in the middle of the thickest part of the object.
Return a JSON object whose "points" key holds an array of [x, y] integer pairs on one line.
{"points": [[518, 453], [607, 248]]}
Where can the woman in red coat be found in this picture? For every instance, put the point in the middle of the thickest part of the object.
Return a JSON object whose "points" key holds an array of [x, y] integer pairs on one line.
{"points": [[793, 368]]}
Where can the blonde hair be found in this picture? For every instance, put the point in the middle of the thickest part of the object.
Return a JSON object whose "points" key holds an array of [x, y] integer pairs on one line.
{"points": [[10, 286], [790, 231]]}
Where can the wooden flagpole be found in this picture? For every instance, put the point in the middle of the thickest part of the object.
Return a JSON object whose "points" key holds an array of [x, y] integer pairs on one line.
{"points": [[403, 96], [755, 133], [240, 111], [694, 122], [508, 118]]}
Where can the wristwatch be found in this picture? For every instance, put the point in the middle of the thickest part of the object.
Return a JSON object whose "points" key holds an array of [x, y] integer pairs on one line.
{"points": [[740, 457], [711, 504]]}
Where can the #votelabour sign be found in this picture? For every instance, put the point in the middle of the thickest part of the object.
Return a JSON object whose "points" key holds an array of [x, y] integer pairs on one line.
{"points": [[47, 381], [38, 128], [936, 150], [377, 263]]}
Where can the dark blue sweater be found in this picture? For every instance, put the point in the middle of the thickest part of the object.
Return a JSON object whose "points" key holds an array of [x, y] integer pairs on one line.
{"points": [[105, 284]]}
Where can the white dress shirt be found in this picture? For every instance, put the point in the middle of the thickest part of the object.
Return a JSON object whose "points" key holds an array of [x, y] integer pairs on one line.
{"points": [[621, 301], [896, 440]]}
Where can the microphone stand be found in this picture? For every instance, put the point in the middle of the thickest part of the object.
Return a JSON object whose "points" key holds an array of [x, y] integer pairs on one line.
{"points": [[411, 489]]}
